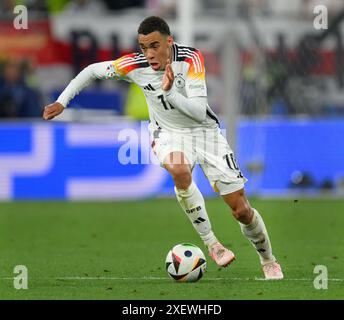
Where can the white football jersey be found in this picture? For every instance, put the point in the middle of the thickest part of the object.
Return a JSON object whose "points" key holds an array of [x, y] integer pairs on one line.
{"points": [[189, 73]]}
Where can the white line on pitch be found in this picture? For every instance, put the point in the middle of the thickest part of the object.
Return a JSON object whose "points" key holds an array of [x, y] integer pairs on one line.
{"points": [[161, 278]]}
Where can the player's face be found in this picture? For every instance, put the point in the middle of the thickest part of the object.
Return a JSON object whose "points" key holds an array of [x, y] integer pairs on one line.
{"points": [[157, 49]]}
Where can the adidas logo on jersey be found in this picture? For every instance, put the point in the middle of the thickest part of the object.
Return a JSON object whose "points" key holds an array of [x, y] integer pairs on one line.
{"points": [[149, 87]]}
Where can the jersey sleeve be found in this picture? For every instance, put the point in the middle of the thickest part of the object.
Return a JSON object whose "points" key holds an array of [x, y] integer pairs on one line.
{"points": [[195, 77], [119, 69], [122, 67]]}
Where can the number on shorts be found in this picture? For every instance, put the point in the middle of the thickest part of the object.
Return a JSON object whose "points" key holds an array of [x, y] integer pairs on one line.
{"points": [[232, 164]]}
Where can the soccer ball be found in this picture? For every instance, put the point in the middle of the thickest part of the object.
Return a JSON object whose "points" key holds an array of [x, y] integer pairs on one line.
{"points": [[185, 262]]}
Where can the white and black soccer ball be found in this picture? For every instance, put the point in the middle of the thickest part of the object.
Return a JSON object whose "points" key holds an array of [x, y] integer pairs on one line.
{"points": [[185, 262]]}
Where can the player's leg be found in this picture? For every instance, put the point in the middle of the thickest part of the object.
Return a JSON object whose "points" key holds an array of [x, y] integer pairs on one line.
{"points": [[223, 173], [253, 227], [192, 202], [176, 154], [189, 196]]}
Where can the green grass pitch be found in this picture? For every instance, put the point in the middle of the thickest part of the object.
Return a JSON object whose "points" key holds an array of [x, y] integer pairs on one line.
{"points": [[117, 250]]}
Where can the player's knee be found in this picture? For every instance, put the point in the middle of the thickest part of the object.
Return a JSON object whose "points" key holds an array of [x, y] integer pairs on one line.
{"points": [[242, 212], [181, 176]]}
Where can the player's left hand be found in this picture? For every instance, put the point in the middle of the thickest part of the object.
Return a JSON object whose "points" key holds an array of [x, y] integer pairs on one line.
{"points": [[168, 77]]}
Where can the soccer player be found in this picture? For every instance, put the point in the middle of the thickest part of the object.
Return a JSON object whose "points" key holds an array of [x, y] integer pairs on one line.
{"points": [[184, 130]]}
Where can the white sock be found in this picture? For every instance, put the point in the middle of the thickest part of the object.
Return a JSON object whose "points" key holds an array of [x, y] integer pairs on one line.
{"points": [[192, 202], [256, 232]]}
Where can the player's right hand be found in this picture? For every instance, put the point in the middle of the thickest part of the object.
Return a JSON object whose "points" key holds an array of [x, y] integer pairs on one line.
{"points": [[52, 110]]}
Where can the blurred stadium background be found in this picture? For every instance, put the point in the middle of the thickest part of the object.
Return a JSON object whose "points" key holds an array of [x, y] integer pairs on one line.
{"points": [[276, 82]]}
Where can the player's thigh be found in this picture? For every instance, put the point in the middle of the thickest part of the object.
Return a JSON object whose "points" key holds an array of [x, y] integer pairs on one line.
{"points": [[178, 166], [219, 164], [174, 151]]}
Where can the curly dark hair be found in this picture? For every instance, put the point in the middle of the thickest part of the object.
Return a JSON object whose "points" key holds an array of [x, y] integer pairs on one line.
{"points": [[152, 24]]}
